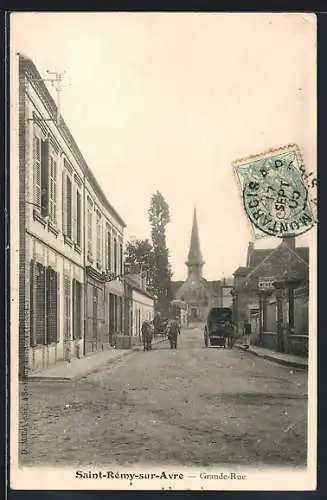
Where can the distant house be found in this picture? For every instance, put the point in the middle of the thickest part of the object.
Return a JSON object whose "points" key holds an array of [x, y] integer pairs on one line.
{"points": [[139, 303], [256, 295]]}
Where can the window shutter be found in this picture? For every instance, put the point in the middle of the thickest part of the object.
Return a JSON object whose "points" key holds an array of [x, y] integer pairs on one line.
{"points": [[121, 258], [32, 304], [74, 309], [109, 251], [45, 178], [52, 305], [106, 249], [78, 217], [53, 190], [74, 213], [40, 305], [37, 166], [69, 206], [64, 204], [78, 310]]}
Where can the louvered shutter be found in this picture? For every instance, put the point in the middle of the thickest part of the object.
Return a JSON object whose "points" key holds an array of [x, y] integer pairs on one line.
{"points": [[74, 213], [53, 190], [32, 304], [37, 167], [69, 206], [106, 248], [121, 258], [40, 305], [45, 178], [64, 204], [79, 309], [52, 306], [74, 309], [78, 217]]}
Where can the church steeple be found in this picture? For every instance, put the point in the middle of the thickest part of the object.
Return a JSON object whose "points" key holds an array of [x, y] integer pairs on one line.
{"points": [[194, 259]]}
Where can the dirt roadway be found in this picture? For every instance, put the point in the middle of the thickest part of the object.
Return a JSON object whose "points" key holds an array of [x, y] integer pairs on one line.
{"points": [[193, 406]]}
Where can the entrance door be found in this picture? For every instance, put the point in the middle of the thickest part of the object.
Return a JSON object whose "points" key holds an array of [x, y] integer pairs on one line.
{"points": [[95, 316], [89, 332], [111, 317], [101, 321], [67, 319]]}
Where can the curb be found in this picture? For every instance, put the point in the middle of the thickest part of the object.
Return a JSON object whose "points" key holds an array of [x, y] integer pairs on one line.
{"points": [[293, 364], [36, 378], [86, 372]]}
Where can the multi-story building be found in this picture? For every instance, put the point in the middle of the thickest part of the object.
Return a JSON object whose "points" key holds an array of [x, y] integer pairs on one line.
{"points": [[104, 270], [64, 225]]}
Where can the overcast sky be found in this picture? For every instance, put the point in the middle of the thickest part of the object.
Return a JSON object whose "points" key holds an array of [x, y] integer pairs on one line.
{"points": [[168, 101]]}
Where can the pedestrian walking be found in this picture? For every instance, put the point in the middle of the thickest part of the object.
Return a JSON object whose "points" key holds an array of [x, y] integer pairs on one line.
{"points": [[173, 331], [246, 333]]}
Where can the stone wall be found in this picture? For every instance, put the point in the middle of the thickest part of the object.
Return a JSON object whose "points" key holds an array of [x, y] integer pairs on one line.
{"points": [[294, 344]]}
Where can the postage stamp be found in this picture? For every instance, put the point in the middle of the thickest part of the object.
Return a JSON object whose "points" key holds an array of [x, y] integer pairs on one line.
{"points": [[278, 193]]}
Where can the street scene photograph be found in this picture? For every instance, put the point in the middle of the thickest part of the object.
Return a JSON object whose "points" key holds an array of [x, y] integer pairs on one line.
{"points": [[163, 250]]}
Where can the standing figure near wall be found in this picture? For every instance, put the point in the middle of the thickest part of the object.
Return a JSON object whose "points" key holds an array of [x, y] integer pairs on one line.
{"points": [[147, 335]]}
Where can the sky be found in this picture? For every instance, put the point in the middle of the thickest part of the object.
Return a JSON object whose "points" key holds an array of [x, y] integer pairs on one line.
{"points": [[167, 101]]}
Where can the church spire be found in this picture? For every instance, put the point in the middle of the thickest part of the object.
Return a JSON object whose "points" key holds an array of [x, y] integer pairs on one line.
{"points": [[194, 259]]}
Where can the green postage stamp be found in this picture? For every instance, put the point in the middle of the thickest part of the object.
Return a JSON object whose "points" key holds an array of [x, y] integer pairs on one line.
{"points": [[277, 192]]}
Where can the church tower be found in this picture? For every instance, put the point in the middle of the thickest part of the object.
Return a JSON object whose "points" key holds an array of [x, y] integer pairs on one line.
{"points": [[195, 260]]}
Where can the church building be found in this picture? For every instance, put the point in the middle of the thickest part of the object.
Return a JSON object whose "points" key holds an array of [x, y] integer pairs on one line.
{"points": [[198, 293]]}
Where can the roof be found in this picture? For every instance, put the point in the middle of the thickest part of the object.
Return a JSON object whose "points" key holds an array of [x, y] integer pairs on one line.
{"points": [[258, 255], [175, 286], [133, 284], [28, 67], [241, 271], [284, 262], [194, 257], [303, 252]]}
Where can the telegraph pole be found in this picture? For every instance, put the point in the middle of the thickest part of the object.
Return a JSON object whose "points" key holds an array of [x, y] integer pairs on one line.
{"points": [[56, 80]]}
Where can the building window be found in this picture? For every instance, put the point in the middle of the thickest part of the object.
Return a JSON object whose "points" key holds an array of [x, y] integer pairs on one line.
{"points": [[78, 218], [43, 305], [89, 228], [115, 257], [53, 190], [108, 248], [98, 238], [77, 309], [41, 172]]}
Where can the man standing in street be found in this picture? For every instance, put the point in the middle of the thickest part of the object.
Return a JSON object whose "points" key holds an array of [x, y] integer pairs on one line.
{"points": [[173, 331], [247, 333]]}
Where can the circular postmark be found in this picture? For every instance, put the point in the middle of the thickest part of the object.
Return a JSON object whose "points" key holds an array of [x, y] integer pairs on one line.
{"points": [[276, 198]]}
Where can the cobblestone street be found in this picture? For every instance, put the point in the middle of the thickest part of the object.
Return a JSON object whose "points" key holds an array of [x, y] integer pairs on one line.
{"points": [[191, 406]]}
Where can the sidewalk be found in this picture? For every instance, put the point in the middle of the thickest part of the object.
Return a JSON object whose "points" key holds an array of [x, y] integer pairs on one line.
{"points": [[78, 368], [278, 357]]}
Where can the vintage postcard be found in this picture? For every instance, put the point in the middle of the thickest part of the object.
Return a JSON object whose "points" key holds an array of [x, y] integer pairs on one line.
{"points": [[163, 251]]}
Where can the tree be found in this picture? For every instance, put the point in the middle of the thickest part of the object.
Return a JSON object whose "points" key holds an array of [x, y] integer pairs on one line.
{"points": [[141, 252], [159, 218]]}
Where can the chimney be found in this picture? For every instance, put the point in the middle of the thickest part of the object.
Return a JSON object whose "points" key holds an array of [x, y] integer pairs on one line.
{"points": [[250, 250], [289, 241]]}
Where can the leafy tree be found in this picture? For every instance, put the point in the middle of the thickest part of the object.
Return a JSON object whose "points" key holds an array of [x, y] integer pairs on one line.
{"points": [[159, 218], [141, 252]]}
